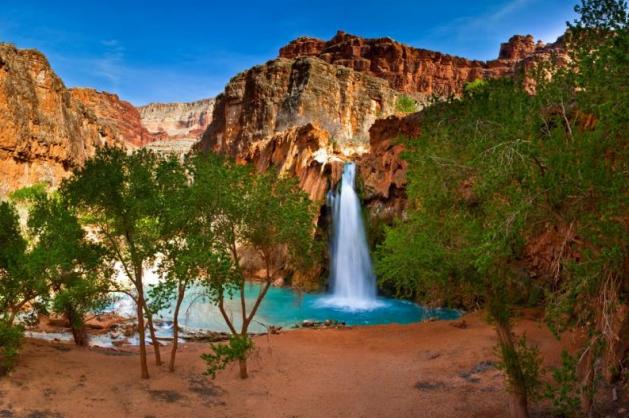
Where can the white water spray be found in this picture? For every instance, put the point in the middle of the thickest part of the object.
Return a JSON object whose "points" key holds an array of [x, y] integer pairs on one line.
{"points": [[352, 278]]}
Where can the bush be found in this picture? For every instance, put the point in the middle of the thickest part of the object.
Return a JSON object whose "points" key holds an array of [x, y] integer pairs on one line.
{"points": [[406, 104], [238, 348], [565, 393], [475, 86], [10, 342]]}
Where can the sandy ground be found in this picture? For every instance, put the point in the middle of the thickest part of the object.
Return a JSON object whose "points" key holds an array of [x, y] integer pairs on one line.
{"points": [[431, 369]]}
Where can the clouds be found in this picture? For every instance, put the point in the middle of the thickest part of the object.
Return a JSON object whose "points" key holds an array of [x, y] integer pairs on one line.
{"points": [[488, 21], [110, 65]]}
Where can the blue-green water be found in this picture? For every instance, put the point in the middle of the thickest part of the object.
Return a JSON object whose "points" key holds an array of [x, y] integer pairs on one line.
{"points": [[285, 307]]}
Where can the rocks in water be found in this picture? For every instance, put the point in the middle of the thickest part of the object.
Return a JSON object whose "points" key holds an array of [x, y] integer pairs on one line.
{"points": [[328, 323], [189, 334]]}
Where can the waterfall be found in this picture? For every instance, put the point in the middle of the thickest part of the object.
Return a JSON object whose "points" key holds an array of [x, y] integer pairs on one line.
{"points": [[353, 283]]}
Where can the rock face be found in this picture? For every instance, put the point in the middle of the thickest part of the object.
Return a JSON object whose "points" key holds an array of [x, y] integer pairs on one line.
{"points": [[419, 72], [120, 116], [47, 129], [173, 121], [320, 108], [339, 88], [44, 130], [383, 170]]}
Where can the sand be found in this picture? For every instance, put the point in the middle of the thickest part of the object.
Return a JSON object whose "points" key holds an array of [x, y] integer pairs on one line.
{"points": [[430, 369]]}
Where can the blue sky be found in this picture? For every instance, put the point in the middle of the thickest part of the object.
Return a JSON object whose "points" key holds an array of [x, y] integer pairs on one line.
{"points": [[186, 50]]}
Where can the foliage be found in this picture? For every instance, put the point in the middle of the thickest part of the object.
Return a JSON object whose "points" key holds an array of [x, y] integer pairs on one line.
{"points": [[118, 197], [18, 284], [237, 349], [10, 342], [498, 168], [242, 210], [522, 364], [73, 267], [475, 85], [405, 104], [28, 193], [565, 394]]}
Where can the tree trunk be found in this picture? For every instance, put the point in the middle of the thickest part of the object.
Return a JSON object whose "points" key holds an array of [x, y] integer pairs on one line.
{"points": [[144, 370], [518, 403], [173, 352], [79, 332], [243, 368], [149, 320]]}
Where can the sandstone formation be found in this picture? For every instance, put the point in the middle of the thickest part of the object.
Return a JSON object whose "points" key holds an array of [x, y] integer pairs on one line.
{"points": [[304, 110], [415, 71], [174, 121], [383, 170], [340, 88], [44, 130], [119, 115]]}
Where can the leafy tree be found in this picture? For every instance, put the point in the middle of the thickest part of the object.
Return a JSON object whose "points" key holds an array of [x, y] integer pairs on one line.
{"points": [[497, 169], [16, 290], [18, 286], [117, 196], [74, 268], [189, 252], [263, 212]]}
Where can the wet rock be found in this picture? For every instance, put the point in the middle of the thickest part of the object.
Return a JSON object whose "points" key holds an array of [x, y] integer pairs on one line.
{"points": [[328, 323]]}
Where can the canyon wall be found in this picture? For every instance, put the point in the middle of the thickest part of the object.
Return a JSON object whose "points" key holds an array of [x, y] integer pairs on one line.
{"points": [[47, 129], [418, 72], [340, 88], [44, 130], [323, 110], [120, 116], [177, 120], [177, 125]]}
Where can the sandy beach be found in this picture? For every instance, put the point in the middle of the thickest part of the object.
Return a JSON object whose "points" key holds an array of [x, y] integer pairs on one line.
{"points": [[430, 369]]}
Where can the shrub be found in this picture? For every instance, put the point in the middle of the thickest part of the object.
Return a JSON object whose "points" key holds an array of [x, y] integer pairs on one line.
{"points": [[406, 104], [237, 349], [10, 342]]}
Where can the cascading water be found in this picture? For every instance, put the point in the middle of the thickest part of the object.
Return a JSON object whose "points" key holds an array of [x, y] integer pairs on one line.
{"points": [[352, 278]]}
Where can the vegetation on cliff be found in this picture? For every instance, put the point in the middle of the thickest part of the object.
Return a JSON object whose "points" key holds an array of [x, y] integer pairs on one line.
{"points": [[500, 174]]}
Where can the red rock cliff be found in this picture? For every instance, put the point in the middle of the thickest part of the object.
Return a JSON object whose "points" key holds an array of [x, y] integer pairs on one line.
{"points": [[47, 129], [413, 70]]}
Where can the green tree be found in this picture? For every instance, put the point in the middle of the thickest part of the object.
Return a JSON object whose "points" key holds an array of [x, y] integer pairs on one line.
{"points": [[497, 169], [263, 212], [18, 286], [75, 269], [16, 290], [117, 197]]}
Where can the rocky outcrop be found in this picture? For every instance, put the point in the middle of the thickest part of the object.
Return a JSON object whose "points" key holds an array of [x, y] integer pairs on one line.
{"points": [[47, 129], [177, 121], [120, 116], [44, 130], [341, 87], [382, 170], [306, 110], [415, 71]]}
